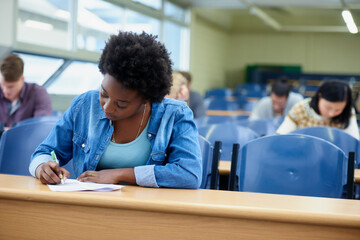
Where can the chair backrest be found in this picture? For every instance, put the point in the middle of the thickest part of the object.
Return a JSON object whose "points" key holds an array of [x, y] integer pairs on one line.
{"points": [[211, 119], [220, 104], [206, 153], [18, 143], [292, 164], [263, 127], [51, 118], [219, 92], [228, 134], [209, 174], [343, 140]]}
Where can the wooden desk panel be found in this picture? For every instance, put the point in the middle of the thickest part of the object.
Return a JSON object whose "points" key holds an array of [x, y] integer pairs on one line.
{"points": [[224, 169], [29, 210]]}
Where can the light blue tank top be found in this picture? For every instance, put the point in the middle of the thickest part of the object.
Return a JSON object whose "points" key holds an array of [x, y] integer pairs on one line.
{"points": [[127, 155]]}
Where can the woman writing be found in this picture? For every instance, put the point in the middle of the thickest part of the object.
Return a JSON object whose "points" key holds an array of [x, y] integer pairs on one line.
{"points": [[331, 106], [127, 131]]}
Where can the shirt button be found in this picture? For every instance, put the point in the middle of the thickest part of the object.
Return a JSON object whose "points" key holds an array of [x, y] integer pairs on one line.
{"points": [[149, 135], [83, 145]]}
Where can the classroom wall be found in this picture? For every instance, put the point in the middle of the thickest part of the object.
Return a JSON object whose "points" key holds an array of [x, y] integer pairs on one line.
{"points": [[208, 53], [218, 57], [315, 52]]}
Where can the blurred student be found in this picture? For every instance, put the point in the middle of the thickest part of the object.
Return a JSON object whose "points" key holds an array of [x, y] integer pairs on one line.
{"points": [[179, 89], [19, 100], [196, 101], [127, 131], [331, 106], [278, 104]]}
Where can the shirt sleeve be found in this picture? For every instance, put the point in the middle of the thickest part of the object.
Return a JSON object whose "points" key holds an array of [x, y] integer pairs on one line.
{"points": [[42, 102], [180, 166], [287, 126]]}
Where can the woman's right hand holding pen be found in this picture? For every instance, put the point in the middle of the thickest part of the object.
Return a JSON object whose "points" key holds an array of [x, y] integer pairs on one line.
{"points": [[51, 173]]}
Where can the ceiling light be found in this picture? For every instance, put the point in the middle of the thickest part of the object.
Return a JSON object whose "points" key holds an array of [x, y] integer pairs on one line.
{"points": [[346, 14]]}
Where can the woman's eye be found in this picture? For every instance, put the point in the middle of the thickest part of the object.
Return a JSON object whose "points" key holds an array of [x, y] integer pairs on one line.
{"points": [[121, 107]]}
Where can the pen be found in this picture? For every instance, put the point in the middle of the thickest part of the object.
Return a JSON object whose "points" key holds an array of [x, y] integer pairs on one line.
{"points": [[57, 161]]}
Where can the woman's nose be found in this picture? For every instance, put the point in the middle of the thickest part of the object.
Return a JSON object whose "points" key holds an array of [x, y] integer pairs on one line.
{"points": [[108, 107]]}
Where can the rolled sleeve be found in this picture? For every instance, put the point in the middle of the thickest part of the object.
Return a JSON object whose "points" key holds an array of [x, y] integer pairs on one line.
{"points": [[37, 162], [145, 176]]}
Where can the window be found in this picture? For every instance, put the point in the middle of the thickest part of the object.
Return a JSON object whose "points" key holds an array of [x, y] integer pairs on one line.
{"points": [[77, 78], [38, 69], [97, 20], [174, 11], [177, 42], [44, 22], [156, 4], [138, 23]]}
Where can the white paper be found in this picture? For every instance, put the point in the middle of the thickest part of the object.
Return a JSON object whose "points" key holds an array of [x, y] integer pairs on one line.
{"points": [[72, 185]]}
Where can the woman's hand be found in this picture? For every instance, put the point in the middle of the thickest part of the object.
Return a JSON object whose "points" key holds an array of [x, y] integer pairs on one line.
{"points": [[50, 173], [113, 176]]}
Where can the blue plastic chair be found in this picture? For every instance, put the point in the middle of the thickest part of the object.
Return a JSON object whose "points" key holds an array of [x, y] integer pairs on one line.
{"points": [[51, 118], [336, 136], [293, 164], [219, 92], [263, 127], [18, 144], [210, 160], [228, 134], [207, 120], [220, 104]]}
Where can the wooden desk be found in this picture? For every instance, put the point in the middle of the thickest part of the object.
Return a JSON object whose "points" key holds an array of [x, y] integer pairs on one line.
{"points": [[29, 210], [224, 169], [227, 113]]}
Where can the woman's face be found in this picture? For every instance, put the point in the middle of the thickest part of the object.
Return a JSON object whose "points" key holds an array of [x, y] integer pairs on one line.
{"points": [[117, 101], [329, 109]]}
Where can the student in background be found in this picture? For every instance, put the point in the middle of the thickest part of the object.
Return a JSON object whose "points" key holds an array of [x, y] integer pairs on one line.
{"points": [[179, 89], [331, 106], [196, 101], [280, 101], [19, 100], [126, 132]]}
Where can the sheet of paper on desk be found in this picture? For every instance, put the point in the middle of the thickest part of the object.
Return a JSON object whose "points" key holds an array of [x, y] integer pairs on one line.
{"points": [[72, 185]]}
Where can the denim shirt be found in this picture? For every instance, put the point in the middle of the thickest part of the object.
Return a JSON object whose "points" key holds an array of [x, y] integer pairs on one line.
{"points": [[84, 132]]}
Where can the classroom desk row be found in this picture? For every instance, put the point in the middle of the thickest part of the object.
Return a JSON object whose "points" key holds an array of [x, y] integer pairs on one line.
{"points": [[224, 169], [29, 210]]}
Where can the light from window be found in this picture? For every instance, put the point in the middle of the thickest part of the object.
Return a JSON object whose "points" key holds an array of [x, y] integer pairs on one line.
{"points": [[38, 69], [44, 22], [77, 78], [97, 20], [156, 4]]}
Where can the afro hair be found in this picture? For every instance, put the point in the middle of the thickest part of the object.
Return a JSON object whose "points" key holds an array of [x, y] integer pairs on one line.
{"points": [[139, 62]]}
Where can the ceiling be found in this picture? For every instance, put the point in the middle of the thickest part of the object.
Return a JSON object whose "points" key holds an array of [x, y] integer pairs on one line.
{"points": [[276, 15]]}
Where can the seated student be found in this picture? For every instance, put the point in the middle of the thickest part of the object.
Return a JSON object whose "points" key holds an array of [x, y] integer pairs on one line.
{"points": [[126, 132], [19, 100], [196, 101], [280, 101], [331, 106], [179, 89]]}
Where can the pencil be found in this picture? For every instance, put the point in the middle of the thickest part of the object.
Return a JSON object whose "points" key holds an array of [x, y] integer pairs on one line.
{"points": [[57, 161]]}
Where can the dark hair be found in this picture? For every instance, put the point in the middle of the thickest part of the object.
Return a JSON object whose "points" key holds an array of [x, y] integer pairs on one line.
{"points": [[334, 91], [280, 87], [138, 62], [12, 68], [187, 75]]}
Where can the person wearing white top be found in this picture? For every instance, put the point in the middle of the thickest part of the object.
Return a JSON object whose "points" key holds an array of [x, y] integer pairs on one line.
{"points": [[278, 104]]}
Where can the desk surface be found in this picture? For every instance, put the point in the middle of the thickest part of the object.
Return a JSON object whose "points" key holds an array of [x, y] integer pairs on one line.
{"points": [[26, 205], [224, 169]]}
